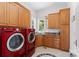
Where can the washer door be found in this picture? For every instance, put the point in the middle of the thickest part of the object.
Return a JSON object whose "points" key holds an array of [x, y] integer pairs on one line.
{"points": [[31, 37], [15, 42]]}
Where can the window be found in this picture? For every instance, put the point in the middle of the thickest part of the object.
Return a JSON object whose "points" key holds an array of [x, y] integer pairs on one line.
{"points": [[41, 25]]}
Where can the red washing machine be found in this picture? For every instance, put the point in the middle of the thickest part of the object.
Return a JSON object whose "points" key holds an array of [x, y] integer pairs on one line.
{"points": [[0, 42], [30, 41], [12, 43]]}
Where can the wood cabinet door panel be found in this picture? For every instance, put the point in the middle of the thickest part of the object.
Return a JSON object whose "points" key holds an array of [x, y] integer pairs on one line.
{"points": [[24, 18], [48, 41], [21, 17], [8, 14], [65, 16], [14, 14], [57, 43], [64, 42], [39, 40], [2, 13], [53, 20]]}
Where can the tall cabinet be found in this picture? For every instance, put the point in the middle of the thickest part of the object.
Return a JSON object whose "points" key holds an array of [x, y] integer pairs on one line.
{"points": [[64, 29], [60, 21]]}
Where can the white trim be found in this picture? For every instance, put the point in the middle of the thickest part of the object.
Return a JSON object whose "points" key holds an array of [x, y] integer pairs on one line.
{"points": [[10, 39], [29, 38]]}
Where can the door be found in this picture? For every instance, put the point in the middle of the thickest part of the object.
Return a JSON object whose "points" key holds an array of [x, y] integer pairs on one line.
{"points": [[65, 16], [65, 37], [21, 17], [24, 18], [53, 20], [49, 40], [15, 42], [39, 40], [57, 41], [31, 37], [2, 13], [14, 14]]}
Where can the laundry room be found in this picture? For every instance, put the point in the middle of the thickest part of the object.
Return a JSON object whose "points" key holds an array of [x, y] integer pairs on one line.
{"points": [[39, 29]]}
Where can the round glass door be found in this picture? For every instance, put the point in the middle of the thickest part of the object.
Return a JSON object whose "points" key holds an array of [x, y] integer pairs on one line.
{"points": [[15, 42], [31, 37]]}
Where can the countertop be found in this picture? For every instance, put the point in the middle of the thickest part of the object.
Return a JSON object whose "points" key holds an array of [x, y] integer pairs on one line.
{"points": [[47, 33]]}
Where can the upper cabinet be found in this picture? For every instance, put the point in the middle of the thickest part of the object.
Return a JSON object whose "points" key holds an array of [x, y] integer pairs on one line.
{"points": [[53, 20], [8, 14], [2, 13], [14, 14], [24, 17], [65, 16]]}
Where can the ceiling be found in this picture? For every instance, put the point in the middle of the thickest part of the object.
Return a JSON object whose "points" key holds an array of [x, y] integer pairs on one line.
{"points": [[37, 5]]}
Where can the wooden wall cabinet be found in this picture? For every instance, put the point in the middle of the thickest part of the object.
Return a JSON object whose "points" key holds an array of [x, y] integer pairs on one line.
{"points": [[65, 16], [24, 18], [8, 14], [53, 20], [21, 17], [2, 13], [14, 14]]}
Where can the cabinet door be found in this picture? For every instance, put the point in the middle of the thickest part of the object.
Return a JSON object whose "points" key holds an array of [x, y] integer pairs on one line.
{"points": [[39, 40], [65, 16], [13, 10], [65, 37], [8, 13], [57, 42], [24, 18], [21, 17], [48, 41], [2, 13], [53, 20]]}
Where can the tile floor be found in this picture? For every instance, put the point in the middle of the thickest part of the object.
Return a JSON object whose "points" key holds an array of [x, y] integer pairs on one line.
{"points": [[56, 52]]}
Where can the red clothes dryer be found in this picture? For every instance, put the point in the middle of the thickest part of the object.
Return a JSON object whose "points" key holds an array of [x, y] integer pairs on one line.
{"points": [[30, 41], [12, 43], [0, 42]]}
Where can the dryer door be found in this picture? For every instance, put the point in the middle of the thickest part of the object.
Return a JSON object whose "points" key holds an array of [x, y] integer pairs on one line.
{"points": [[15, 42], [31, 37]]}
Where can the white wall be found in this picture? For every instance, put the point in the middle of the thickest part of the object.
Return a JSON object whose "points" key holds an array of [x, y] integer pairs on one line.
{"points": [[77, 28], [74, 29], [52, 9]]}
